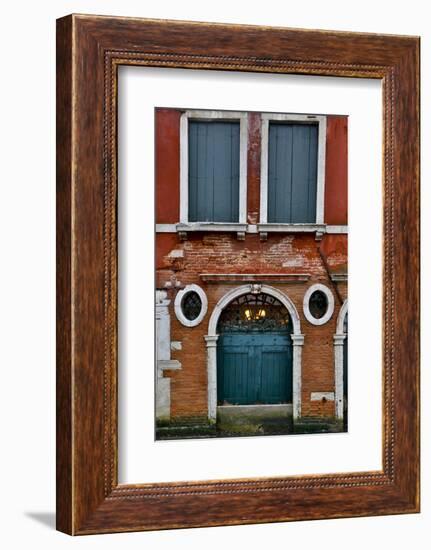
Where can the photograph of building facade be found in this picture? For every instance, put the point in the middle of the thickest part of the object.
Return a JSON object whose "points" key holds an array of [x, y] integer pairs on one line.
{"points": [[251, 273]]}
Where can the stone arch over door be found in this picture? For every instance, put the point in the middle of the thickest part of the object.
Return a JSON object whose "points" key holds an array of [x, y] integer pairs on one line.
{"points": [[212, 337], [339, 339]]}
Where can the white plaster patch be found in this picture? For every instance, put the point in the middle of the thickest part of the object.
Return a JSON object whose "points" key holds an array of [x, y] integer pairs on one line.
{"points": [[296, 261], [176, 253], [176, 345], [163, 399], [286, 242], [322, 395]]}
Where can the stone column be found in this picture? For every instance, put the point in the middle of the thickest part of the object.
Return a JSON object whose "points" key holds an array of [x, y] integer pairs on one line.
{"points": [[163, 356], [212, 376], [298, 342], [163, 326], [338, 369]]}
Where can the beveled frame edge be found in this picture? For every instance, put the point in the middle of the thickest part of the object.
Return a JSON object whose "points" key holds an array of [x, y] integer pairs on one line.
{"points": [[89, 51]]}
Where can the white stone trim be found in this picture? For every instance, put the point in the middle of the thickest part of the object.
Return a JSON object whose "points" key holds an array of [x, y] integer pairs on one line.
{"points": [[168, 364], [306, 308], [211, 340], [337, 229], [242, 117], [250, 228], [184, 168], [166, 228], [163, 326], [322, 395], [298, 342], [211, 226], [178, 309], [204, 226], [339, 338], [340, 318], [321, 158], [163, 356], [291, 227], [339, 277], [264, 143], [244, 289], [321, 165], [176, 345]]}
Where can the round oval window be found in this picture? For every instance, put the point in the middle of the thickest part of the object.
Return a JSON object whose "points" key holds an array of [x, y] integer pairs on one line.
{"points": [[318, 304], [191, 305]]}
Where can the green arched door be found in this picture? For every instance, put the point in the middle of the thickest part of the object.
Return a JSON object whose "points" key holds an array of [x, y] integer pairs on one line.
{"points": [[254, 352]]}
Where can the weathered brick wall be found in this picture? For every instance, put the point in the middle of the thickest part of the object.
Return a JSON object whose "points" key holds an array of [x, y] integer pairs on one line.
{"points": [[223, 253]]}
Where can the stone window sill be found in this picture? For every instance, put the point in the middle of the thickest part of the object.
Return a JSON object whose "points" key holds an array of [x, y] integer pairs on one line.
{"points": [[318, 228], [239, 228], [292, 227], [242, 228]]}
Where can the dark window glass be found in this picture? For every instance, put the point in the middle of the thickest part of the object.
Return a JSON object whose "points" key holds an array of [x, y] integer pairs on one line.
{"points": [[292, 172], [191, 305], [213, 171], [318, 304]]}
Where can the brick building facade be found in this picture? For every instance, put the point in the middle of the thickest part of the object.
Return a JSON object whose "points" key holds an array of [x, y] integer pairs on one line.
{"points": [[215, 263]]}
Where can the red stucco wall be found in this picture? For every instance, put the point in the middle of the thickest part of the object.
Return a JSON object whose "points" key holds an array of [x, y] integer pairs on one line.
{"points": [[167, 165], [336, 171]]}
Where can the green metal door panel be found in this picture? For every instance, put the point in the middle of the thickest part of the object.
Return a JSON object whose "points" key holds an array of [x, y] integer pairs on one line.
{"points": [[276, 384], [254, 368], [237, 383]]}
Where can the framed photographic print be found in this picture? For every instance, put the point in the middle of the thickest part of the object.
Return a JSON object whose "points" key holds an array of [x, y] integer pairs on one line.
{"points": [[238, 274]]}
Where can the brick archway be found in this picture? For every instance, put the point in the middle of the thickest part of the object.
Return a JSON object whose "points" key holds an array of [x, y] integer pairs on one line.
{"points": [[212, 337]]}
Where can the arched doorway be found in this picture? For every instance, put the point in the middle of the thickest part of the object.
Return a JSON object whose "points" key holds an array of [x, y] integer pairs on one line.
{"points": [[212, 340], [254, 352]]}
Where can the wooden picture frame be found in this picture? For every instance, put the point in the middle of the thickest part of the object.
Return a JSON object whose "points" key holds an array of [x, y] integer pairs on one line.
{"points": [[89, 51]]}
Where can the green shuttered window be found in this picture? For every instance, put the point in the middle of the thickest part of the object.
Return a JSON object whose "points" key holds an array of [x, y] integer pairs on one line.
{"points": [[213, 171], [292, 172]]}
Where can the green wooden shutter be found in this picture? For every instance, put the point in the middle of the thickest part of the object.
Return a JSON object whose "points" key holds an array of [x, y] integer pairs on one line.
{"points": [[213, 171], [292, 172]]}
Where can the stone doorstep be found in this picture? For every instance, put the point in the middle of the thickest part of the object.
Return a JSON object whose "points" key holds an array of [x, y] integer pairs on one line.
{"points": [[252, 413], [241, 420]]}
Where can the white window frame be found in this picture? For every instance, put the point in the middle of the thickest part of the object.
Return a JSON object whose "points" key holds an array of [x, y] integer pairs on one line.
{"points": [[178, 303], [319, 224], [206, 115], [306, 305]]}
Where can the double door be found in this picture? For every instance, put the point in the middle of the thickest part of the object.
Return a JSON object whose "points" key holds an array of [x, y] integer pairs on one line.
{"points": [[254, 368]]}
